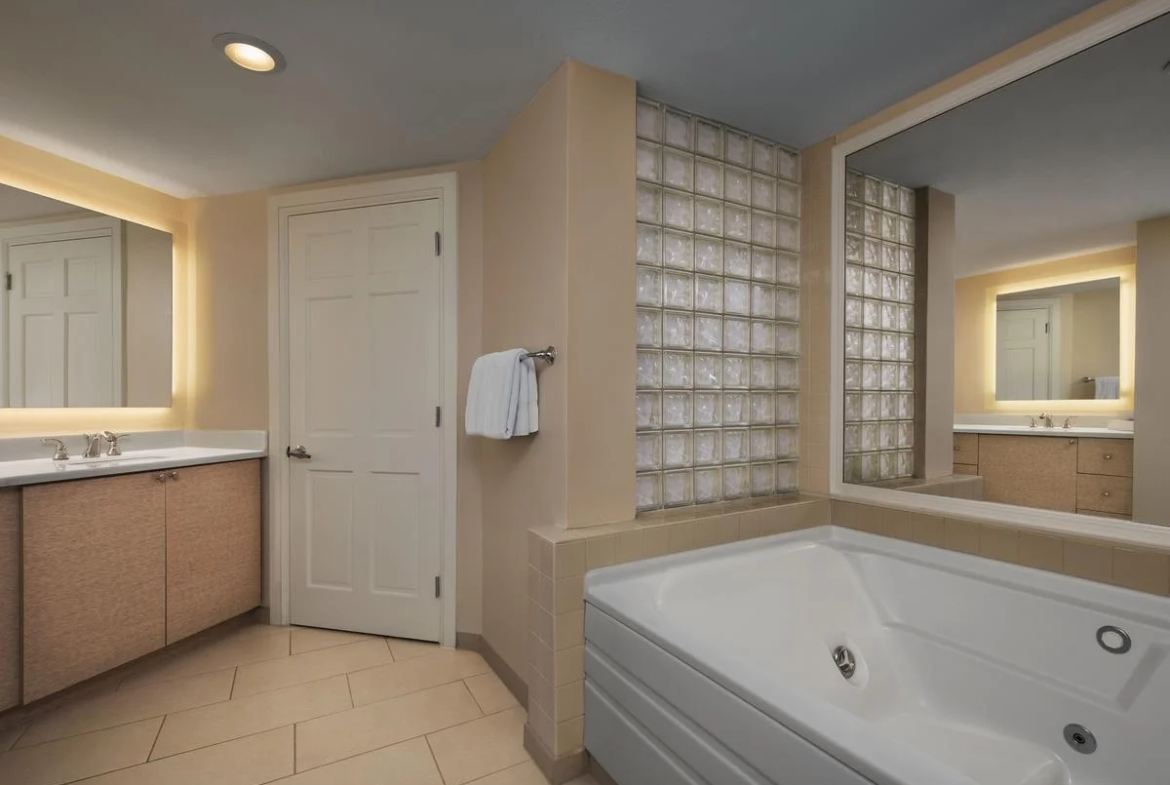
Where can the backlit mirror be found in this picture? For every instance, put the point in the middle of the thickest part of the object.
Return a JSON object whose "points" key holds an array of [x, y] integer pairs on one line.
{"points": [[86, 316]]}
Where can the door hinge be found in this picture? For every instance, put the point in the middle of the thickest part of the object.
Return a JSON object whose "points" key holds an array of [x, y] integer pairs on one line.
{"points": [[438, 416], [438, 244], [8, 281], [1046, 328], [438, 587]]}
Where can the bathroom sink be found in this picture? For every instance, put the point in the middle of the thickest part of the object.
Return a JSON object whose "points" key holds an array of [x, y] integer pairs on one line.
{"points": [[105, 461]]}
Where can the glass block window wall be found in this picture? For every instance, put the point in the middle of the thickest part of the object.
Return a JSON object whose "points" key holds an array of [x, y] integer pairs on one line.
{"points": [[718, 311], [879, 329]]}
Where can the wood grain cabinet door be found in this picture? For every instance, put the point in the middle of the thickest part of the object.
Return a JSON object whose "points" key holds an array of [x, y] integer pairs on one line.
{"points": [[94, 562], [9, 597], [1031, 471], [213, 545]]}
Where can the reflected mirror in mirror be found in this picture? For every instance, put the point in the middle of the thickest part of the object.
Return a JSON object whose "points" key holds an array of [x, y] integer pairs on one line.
{"points": [[86, 316], [1060, 342]]}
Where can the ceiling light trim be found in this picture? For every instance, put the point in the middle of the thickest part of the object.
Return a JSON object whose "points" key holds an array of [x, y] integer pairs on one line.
{"points": [[224, 40]]}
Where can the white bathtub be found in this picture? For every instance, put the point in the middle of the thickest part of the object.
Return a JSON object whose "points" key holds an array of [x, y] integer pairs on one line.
{"points": [[716, 667]]}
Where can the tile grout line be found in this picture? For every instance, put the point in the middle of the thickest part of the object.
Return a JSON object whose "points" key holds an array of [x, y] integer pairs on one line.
{"points": [[232, 690], [155, 742], [435, 760]]}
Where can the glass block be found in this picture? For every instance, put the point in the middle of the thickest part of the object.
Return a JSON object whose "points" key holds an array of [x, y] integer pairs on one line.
{"points": [[735, 409], [678, 210], [708, 333], [854, 309], [708, 293], [787, 374], [709, 216], [678, 290], [678, 370], [787, 339], [905, 376], [737, 260], [764, 193], [905, 435], [853, 344], [649, 120], [906, 348], [873, 222], [871, 283], [889, 226], [905, 288], [888, 465], [906, 406], [737, 297], [737, 223], [763, 373], [870, 406], [889, 256], [870, 345], [708, 139], [763, 156], [678, 170], [764, 229], [871, 254], [873, 315], [787, 304], [708, 255], [678, 488], [869, 437], [708, 485], [871, 376], [648, 451], [854, 280], [787, 478], [873, 190], [676, 449], [888, 406], [649, 203], [788, 165], [854, 246], [649, 282], [906, 201], [852, 376], [649, 162], [889, 286], [787, 198], [906, 318], [905, 231], [648, 491], [736, 371], [678, 250], [869, 468], [649, 244], [905, 464], [854, 185], [763, 301], [763, 408], [648, 410], [736, 148], [708, 371], [889, 376], [762, 444], [708, 410], [648, 328], [787, 408], [854, 217], [708, 448], [890, 196], [737, 185], [678, 130], [678, 330], [788, 233], [906, 260], [649, 370], [887, 436], [676, 410], [763, 264], [736, 335], [763, 478], [709, 178], [852, 439], [889, 346], [735, 482], [787, 442], [852, 407], [788, 269]]}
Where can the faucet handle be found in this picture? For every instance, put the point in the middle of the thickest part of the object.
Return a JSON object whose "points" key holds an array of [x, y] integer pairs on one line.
{"points": [[1068, 424], [61, 454], [115, 440], [1033, 424]]}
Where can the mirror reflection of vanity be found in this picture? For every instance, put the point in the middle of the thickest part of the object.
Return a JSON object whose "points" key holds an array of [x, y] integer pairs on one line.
{"points": [[86, 316]]}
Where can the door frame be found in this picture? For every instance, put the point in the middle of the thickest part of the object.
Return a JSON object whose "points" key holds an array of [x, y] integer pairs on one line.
{"points": [[281, 208]]}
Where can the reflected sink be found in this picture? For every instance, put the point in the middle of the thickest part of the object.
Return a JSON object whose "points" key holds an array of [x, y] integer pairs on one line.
{"points": [[105, 461]]}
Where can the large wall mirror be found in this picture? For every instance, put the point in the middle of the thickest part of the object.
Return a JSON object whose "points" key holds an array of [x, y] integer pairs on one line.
{"points": [[86, 316], [992, 260]]}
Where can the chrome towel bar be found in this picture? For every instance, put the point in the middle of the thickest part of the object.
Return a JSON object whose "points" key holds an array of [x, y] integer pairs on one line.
{"points": [[549, 355]]}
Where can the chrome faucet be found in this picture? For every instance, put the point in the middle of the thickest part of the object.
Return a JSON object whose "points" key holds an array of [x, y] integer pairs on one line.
{"points": [[1047, 418], [1067, 423], [115, 440], [93, 445], [61, 454]]}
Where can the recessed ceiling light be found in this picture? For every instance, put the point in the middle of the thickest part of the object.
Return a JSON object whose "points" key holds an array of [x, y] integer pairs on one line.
{"points": [[249, 52]]}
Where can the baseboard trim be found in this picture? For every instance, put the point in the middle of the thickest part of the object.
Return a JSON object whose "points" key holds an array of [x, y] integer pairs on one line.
{"points": [[475, 642], [556, 770]]}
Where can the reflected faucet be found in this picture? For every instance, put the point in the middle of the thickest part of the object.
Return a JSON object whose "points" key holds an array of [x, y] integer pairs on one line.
{"points": [[1047, 418], [93, 445]]}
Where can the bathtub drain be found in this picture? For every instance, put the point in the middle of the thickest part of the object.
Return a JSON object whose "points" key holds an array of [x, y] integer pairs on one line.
{"points": [[845, 661], [1080, 739]]}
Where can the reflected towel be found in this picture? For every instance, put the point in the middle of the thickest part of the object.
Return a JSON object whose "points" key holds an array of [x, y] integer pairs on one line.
{"points": [[494, 396], [1108, 387]]}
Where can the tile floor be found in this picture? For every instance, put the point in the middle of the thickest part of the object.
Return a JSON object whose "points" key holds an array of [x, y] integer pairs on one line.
{"points": [[286, 705]]}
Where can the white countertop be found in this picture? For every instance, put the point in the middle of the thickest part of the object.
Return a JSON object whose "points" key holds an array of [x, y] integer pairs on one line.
{"points": [[1024, 430]]}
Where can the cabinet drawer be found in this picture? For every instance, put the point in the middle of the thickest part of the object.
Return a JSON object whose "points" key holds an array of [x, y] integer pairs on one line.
{"points": [[965, 468], [1105, 456], [1105, 494], [967, 448]]}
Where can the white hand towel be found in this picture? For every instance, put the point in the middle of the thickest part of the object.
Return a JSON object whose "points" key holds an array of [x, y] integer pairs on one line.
{"points": [[1108, 387], [475, 412], [501, 396], [526, 414]]}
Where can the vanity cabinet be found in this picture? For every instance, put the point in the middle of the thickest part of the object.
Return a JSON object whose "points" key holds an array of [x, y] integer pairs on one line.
{"points": [[9, 598]]}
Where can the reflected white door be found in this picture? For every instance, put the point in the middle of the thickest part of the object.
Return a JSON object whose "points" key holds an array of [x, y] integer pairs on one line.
{"points": [[1022, 354], [365, 365], [64, 336]]}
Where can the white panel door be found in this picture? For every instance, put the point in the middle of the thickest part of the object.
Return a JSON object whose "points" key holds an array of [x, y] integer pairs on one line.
{"points": [[365, 365], [62, 325], [1022, 354]]}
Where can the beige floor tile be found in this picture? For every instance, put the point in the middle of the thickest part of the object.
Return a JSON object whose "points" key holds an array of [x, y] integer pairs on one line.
{"points": [[490, 693], [381, 724], [420, 673], [310, 639], [248, 761], [310, 666], [408, 763], [251, 644], [8, 736], [79, 756], [482, 747], [202, 727], [404, 649], [525, 774], [119, 708]]}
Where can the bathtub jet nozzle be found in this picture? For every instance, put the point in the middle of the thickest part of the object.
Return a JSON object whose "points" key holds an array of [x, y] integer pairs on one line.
{"points": [[845, 661]]}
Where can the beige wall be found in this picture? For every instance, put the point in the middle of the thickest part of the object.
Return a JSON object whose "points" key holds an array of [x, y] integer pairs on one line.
{"points": [[934, 341], [974, 340], [147, 291], [1151, 442], [1096, 334]]}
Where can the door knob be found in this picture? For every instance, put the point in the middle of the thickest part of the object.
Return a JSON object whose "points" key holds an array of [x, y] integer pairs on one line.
{"points": [[297, 452]]}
